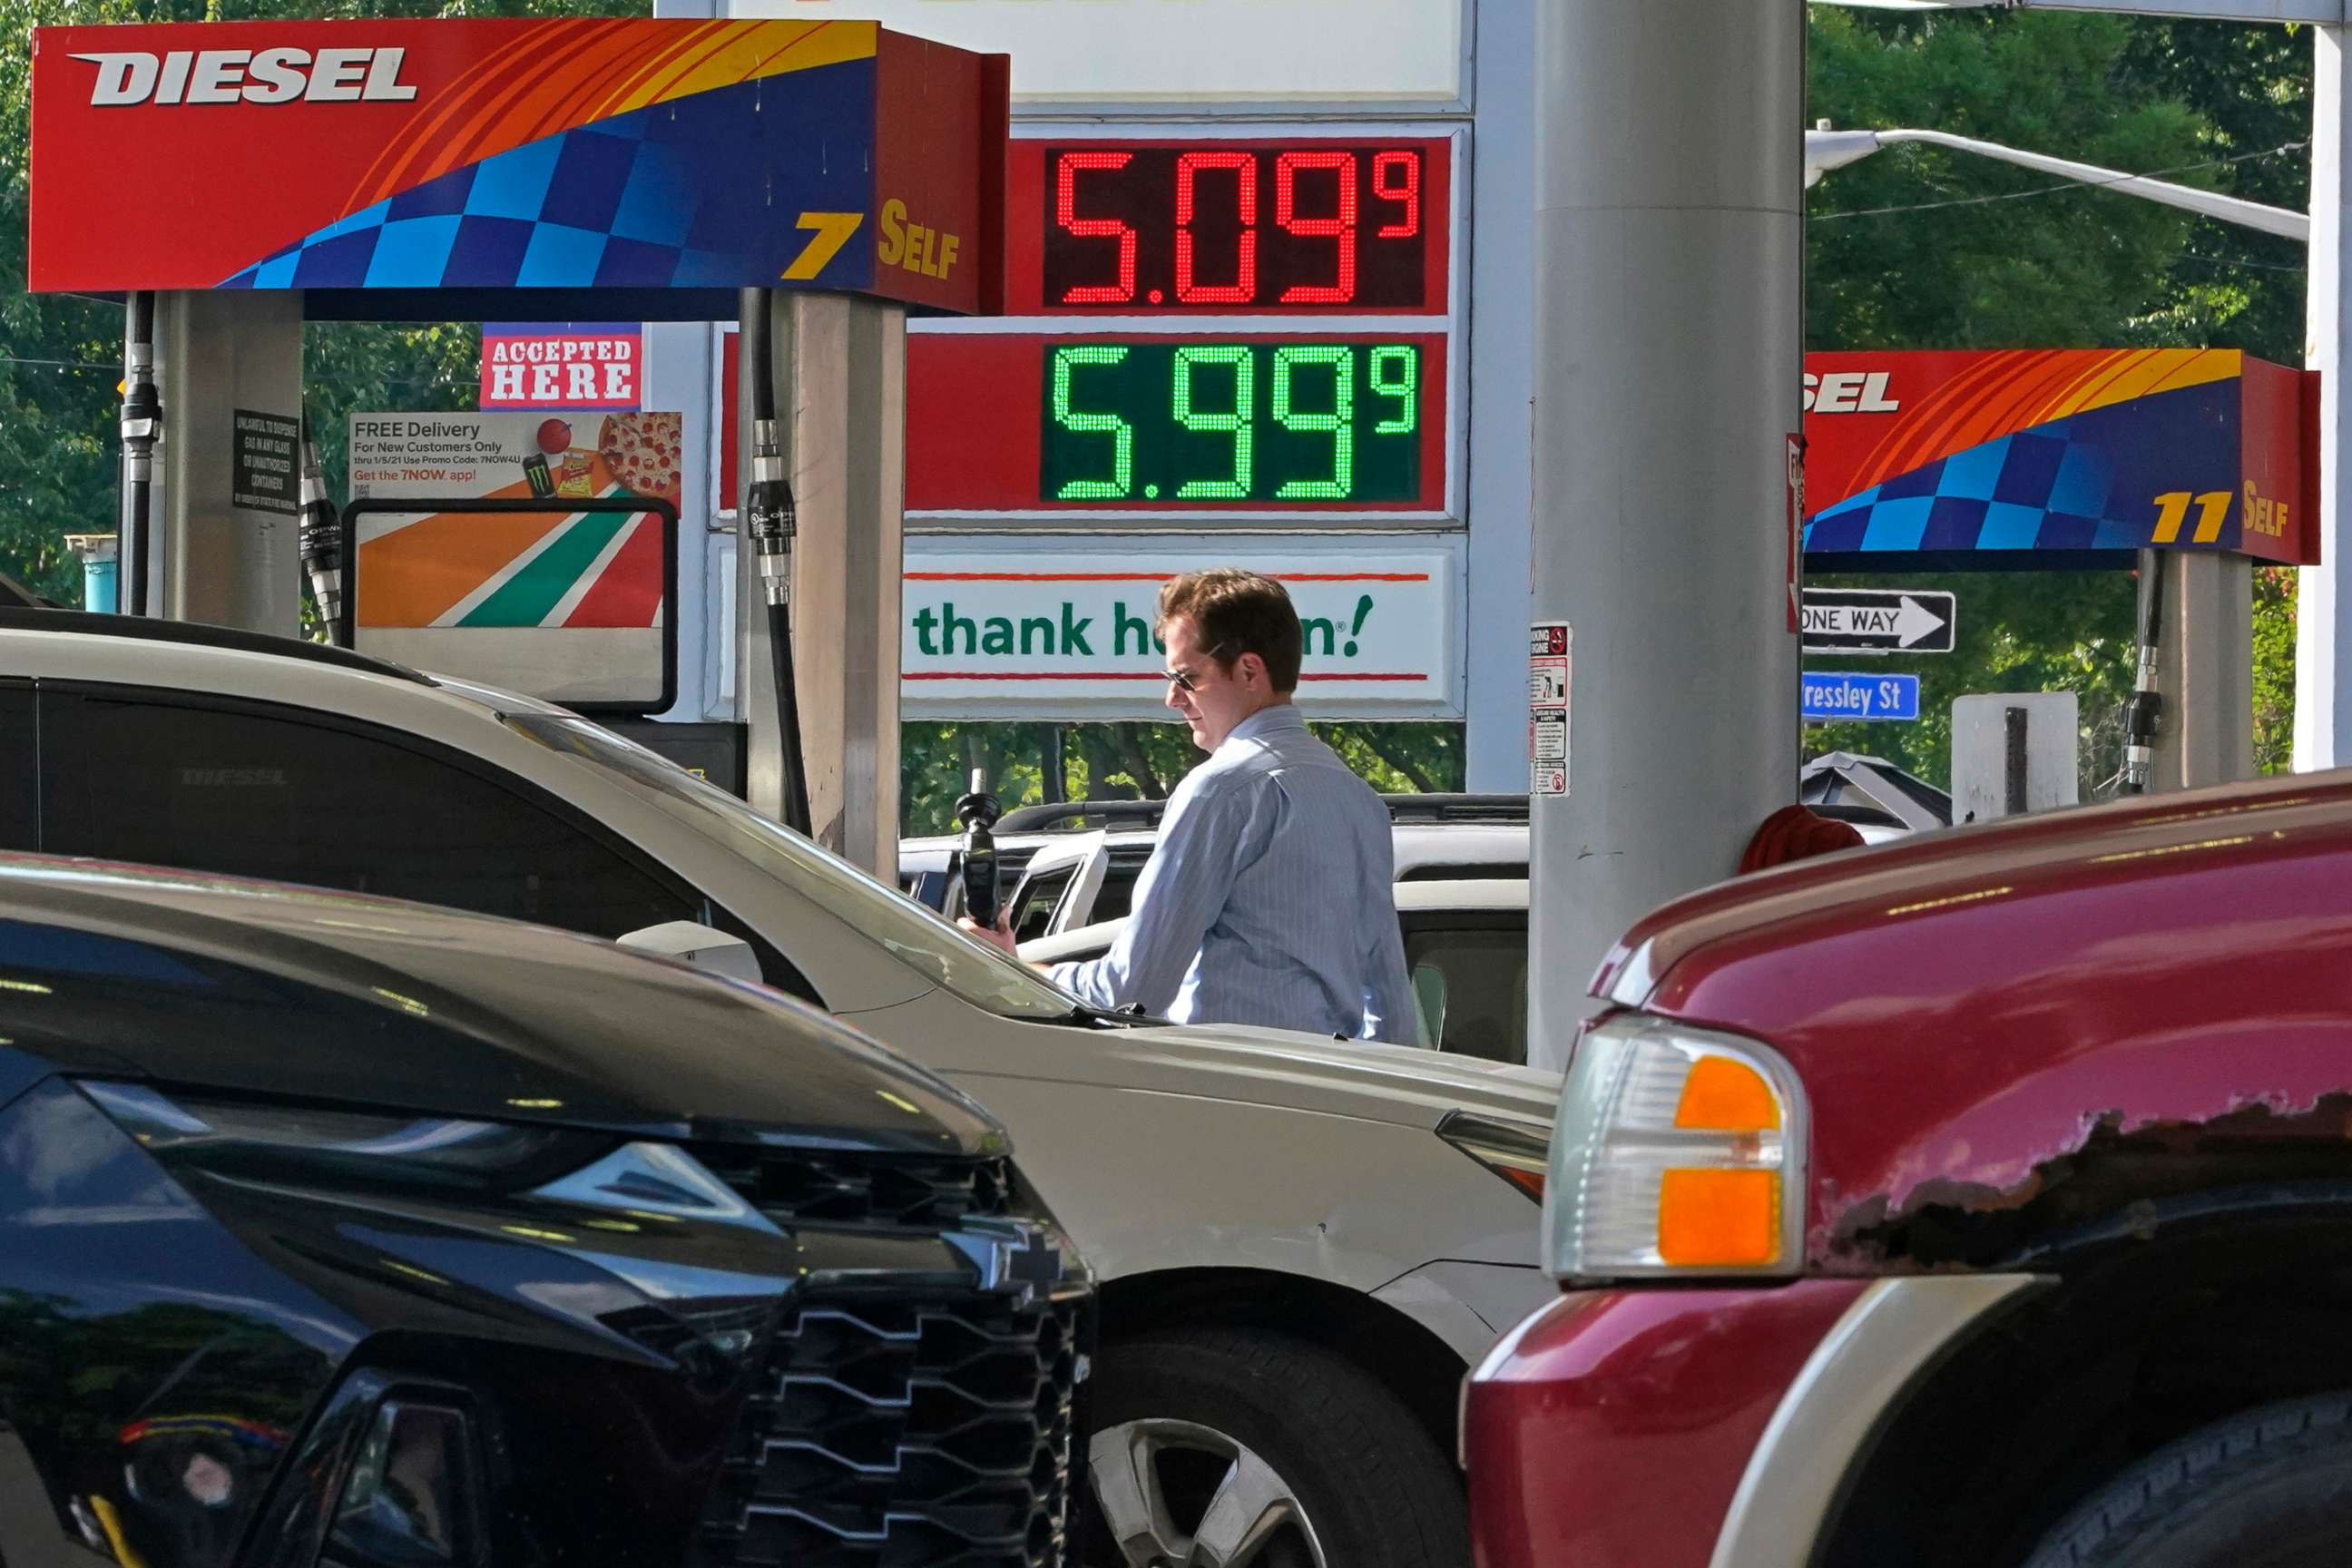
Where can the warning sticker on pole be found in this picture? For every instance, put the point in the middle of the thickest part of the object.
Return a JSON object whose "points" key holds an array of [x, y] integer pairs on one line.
{"points": [[1549, 649], [264, 472]]}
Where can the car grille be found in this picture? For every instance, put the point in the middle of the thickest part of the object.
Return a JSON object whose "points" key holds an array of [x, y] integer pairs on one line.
{"points": [[890, 1434], [795, 1187]]}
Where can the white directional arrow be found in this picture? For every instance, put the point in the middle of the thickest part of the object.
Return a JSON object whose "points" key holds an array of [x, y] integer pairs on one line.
{"points": [[1914, 622]]}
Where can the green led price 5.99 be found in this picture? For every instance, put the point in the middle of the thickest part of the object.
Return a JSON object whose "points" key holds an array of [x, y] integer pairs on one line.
{"points": [[1164, 423]]}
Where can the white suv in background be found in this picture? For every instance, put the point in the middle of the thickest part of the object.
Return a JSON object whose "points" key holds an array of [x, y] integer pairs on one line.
{"points": [[1461, 894], [1302, 1244], [1050, 887]]}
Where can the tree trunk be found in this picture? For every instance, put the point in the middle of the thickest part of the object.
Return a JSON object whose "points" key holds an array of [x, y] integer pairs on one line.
{"points": [[1398, 761], [1137, 762], [1102, 760], [1054, 767]]}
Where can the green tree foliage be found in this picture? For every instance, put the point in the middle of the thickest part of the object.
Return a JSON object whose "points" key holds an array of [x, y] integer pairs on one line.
{"points": [[1131, 760], [2273, 668], [1919, 248], [2233, 287], [1905, 249]]}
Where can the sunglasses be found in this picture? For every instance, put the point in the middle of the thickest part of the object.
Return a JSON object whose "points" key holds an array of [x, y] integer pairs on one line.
{"points": [[1185, 681]]}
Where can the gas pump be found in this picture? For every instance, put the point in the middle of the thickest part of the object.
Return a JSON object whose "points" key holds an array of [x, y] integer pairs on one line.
{"points": [[785, 170]]}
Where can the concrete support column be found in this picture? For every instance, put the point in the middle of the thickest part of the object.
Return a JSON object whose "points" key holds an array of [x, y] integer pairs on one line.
{"points": [[2206, 673], [2323, 696], [209, 558], [841, 407], [1669, 251]]}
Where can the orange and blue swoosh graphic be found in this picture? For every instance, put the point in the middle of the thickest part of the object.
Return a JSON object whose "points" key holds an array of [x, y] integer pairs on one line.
{"points": [[564, 73], [2025, 450], [611, 154]]}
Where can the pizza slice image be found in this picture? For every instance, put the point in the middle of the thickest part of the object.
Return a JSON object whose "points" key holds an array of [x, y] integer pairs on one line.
{"points": [[643, 453]]}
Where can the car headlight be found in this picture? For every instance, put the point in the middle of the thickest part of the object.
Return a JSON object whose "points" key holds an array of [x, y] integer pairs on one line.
{"points": [[341, 1147], [1514, 1154], [1678, 1152]]}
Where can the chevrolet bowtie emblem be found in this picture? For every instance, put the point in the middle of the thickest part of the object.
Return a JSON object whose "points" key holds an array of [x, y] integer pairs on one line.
{"points": [[1024, 1261]]}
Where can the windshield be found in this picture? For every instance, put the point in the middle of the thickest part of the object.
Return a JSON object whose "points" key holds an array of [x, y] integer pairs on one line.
{"points": [[917, 937]]}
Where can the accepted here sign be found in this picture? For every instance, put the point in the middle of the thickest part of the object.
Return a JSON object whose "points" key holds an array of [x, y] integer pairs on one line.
{"points": [[1056, 631], [586, 366]]}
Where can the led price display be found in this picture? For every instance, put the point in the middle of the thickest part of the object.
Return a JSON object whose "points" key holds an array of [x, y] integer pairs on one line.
{"points": [[1230, 227], [1166, 422]]}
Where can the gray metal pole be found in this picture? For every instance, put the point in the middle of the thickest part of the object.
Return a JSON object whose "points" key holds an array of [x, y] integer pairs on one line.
{"points": [[842, 412], [1669, 237], [2205, 671], [2323, 697], [223, 357]]}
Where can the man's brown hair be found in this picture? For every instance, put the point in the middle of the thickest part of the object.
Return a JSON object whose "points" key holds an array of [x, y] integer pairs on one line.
{"points": [[1236, 612]]}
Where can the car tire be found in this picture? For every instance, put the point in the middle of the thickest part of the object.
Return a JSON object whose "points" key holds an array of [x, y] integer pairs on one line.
{"points": [[1312, 1463], [2271, 1488]]}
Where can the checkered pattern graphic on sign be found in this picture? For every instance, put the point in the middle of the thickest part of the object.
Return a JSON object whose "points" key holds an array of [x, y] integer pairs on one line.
{"points": [[600, 206], [2087, 481], [2035, 489]]}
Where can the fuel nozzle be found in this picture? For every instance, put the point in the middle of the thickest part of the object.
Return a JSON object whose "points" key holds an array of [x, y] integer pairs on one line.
{"points": [[774, 519], [2145, 712], [2142, 716], [978, 811], [322, 538], [143, 406]]}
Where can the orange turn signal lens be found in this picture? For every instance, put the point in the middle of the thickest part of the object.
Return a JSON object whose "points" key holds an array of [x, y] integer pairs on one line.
{"points": [[1712, 1218], [1726, 1095]]}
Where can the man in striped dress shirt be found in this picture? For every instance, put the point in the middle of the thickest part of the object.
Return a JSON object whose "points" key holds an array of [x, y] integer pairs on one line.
{"points": [[1268, 899]]}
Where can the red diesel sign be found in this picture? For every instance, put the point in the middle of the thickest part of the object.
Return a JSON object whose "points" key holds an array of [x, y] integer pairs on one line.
{"points": [[582, 366], [558, 152]]}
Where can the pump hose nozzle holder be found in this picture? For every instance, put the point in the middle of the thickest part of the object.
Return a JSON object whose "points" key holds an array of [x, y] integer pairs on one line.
{"points": [[774, 517]]}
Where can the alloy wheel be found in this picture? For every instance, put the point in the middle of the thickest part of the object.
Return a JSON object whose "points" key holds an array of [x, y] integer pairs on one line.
{"points": [[1175, 1494]]}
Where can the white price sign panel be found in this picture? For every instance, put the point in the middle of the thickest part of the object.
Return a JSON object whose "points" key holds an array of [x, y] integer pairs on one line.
{"points": [[1106, 51], [1055, 631]]}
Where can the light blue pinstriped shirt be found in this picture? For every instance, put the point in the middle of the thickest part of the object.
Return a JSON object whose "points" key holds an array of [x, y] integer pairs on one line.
{"points": [[1268, 899]]}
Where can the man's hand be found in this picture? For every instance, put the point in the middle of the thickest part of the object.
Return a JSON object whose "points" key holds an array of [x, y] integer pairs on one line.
{"points": [[997, 935]]}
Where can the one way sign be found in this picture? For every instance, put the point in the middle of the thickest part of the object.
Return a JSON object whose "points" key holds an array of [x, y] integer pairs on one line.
{"points": [[1877, 620]]}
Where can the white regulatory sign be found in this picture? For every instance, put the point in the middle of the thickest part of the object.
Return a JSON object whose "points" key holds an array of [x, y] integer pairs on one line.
{"points": [[1550, 646], [1190, 50]]}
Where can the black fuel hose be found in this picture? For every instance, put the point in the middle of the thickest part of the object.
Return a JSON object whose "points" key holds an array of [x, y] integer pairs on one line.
{"points": [[771, 522], [2146, 710], [143, 424]]}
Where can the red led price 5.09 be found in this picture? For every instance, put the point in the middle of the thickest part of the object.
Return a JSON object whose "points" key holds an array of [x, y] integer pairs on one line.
{"points": [[1232, 227]]}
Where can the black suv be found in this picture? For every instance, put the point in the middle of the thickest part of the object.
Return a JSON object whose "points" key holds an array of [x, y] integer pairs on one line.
{"points": [[336, 1230]]}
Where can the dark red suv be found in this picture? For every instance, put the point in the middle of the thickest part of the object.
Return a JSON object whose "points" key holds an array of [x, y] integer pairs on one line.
{"points": [[1976, 1201]]}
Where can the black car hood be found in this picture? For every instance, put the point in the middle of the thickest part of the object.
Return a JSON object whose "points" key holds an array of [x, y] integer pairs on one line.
{"points": [[250, 989]]}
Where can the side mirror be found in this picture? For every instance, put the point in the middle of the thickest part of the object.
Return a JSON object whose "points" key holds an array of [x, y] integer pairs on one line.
{"points": [[686, 941]]}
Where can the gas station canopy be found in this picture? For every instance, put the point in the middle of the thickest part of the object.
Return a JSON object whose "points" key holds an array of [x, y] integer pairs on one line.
{"points": [[386, 168]]}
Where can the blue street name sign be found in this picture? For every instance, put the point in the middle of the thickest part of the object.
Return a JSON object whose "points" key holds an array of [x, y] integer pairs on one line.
{"points": [[1833, 696]]}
